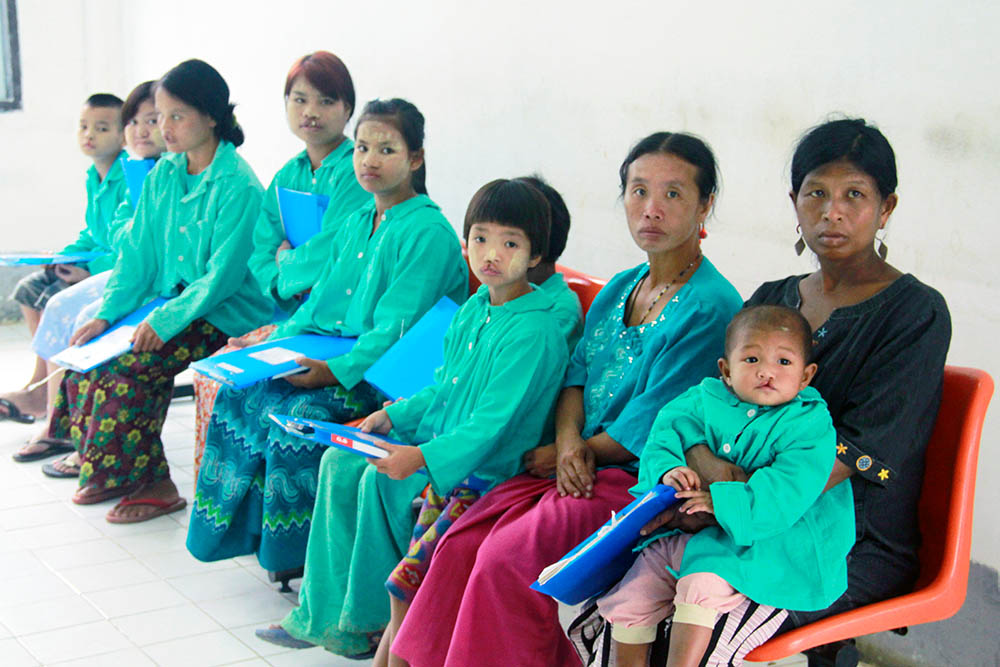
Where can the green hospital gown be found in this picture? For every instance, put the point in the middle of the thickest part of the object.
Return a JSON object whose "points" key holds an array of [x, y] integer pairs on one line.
{"points": [[301, 266], [492, 397]]}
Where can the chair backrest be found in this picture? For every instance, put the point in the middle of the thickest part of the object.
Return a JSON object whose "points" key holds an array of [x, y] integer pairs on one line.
{"points": [[585, 286], [949, 487]]}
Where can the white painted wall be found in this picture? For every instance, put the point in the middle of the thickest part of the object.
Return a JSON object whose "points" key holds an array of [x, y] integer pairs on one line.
{"points": [[564, 89]]}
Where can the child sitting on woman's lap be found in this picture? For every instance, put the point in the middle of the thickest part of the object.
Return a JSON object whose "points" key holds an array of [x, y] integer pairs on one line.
{"points": [[762, 416]]}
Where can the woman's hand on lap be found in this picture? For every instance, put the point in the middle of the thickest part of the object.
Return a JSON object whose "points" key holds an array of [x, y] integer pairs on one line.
{"points": [[575, 466], [145, 339], [403, 461], [90, 330], [377, 422], [319, 375], [540, 461]]}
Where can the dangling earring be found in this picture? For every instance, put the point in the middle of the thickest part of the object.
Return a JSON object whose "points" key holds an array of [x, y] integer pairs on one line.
{"points": [[800, 245], [701, 231], [882, 250]]}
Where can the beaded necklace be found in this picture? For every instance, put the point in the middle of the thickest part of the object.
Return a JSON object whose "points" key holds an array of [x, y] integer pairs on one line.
{"points": [[666, 287]]}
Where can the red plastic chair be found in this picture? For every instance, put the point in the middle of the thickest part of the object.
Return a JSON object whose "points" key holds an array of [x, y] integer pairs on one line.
{"points": [[585, 286], [945, 514]]}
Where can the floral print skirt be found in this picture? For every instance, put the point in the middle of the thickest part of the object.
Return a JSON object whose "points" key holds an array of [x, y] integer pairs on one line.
{"points": [[113, 414]]}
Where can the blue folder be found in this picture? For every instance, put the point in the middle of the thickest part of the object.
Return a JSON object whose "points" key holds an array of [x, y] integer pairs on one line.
{"points": [[38, 258], [270, 359], [135, 175], [301, 214], [353, 440], [408, 366], [602, 559], [110, 344]]}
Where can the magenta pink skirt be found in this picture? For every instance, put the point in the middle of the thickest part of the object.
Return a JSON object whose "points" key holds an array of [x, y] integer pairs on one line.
{"points": [[475, 607]]}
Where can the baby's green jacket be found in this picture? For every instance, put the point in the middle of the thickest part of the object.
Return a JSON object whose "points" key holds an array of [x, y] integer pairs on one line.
{"points": [[780, 541], [103, 198], [503, 369], [300, 267], [193, 246], [376, 286]]}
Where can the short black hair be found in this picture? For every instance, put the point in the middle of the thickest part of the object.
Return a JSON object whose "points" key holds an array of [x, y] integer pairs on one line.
{"points": [[771, 318], [559, 229], [849, 139], [512, 203], [104, 101]]}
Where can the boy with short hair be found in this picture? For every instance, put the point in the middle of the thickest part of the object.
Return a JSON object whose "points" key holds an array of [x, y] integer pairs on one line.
{"points": [[101, 137]]}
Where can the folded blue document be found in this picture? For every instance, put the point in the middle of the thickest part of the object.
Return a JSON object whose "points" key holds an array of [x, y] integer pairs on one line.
{"points": [[602, 559], [274, 358], [117, 340], [301, 214], [37, 258], [408, 366]]}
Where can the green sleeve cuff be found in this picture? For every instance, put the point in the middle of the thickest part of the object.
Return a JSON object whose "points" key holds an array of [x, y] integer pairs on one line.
{"points": [[732, 510]]}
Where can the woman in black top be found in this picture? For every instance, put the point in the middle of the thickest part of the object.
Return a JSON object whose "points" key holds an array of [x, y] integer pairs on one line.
{"points": [[880, 338]]}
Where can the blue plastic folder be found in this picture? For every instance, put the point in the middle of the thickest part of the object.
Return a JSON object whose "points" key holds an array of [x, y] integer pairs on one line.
{"points": [[348, 438], [408, 366], [602, 559], [135, 174], [38, 258], [270, 359], [117, 340], [353, 440], [301, 214]]}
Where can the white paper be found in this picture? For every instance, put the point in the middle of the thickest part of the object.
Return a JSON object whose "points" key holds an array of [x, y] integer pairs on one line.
{"points": [[108, 346], [275, 355]]}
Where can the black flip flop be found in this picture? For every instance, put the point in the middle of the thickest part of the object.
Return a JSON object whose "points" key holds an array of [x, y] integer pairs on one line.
{"points": [[51, 470], [53, 447], [14, 413]]}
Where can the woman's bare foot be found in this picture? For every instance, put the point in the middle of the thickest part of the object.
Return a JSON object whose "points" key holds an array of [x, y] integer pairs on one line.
{"points": [[163, 498], [39, 442]]}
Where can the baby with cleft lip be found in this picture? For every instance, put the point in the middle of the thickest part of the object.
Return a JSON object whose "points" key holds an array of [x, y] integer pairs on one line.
{"points": [[766, 544]]}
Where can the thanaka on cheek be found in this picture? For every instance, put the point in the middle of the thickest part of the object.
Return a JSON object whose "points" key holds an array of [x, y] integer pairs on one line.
{"points": [[519, 263]]}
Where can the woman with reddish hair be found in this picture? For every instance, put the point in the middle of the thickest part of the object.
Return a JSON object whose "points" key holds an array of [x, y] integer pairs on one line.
{"points": [[319, 100]]}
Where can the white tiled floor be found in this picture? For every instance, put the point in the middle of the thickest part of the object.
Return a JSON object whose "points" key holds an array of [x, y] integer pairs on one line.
{"points": [[76, 590]]}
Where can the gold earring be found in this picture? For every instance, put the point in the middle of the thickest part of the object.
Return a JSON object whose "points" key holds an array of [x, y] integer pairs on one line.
{"points": [[800, 245]]}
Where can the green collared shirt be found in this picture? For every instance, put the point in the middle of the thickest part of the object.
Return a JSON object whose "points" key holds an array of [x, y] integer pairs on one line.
{"points": [[300, 267], [193, 246], [503, 369], [103, 198], [780, 541], [376, 286]]}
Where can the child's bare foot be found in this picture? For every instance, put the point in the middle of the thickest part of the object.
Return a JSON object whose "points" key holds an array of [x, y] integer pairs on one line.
{"points": [[147, 502]]}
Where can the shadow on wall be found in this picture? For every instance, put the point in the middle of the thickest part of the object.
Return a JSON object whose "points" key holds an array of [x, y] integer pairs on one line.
{"points": [[969, 638], [9, 275]]}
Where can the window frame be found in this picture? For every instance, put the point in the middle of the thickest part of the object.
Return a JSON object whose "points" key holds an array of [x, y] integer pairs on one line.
{"points": [[10, 62]]}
